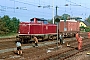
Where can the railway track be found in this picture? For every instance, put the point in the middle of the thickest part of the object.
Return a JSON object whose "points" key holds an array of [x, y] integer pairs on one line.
{"points": [[69, 52], [7, 39], [62, 54]]}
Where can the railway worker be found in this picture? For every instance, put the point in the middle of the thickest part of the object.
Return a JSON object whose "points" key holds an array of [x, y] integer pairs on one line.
{"points": [[89, 35], [79, 39], [79, 42], [36, 41], [19, 50], [77, 36], [61, 39]]}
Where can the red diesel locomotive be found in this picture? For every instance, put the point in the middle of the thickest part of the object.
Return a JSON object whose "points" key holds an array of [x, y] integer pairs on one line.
{"points": [[38, 27], [42, 29]]}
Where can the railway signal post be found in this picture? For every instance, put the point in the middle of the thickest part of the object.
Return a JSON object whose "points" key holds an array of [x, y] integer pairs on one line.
{"points": [[57, 35], [57, 20]]}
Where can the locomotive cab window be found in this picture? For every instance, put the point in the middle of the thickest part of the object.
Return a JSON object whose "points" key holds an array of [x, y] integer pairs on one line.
{"points": [[45, 22]]}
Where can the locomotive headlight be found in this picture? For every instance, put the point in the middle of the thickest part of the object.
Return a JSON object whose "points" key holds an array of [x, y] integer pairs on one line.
{"points": [[28, 32], [19, 32], [46, 27]]}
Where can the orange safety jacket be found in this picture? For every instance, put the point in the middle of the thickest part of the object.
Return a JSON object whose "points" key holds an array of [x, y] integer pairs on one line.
{"points": [[77, 36], [88, 34], [80, 39]]}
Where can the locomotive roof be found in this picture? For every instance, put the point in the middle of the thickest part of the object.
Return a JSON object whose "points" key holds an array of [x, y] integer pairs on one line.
{"points": [[39, 19]]}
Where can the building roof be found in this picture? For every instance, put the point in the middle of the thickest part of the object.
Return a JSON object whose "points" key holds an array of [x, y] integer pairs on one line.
{"points": [[85, 22]]}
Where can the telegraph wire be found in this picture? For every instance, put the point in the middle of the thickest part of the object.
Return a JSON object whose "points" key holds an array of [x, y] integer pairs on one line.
{"points": [[29, 4], [15, 8], [24, 3], [6, 7], [39, 0], [82, 7], [78, 4], [36, 6]]}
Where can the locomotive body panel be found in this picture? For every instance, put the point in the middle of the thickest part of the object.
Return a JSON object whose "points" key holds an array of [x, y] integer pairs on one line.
{"points": [[35, 28], [24, 28], [52, 29]]}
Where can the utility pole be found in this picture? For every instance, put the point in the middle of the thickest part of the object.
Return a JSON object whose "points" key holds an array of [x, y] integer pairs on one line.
{"points": [[57, 26], [56, 10], [53, 10]]}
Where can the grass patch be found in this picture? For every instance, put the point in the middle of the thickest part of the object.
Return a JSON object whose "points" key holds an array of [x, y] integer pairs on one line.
{"points": [[8, 35]]}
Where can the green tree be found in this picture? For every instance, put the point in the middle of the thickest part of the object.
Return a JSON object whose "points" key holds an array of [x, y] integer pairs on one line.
{"points": [[88, 19], [8, 25], [50, 21], [14, 24], [65, 17], [6, 20], [87, 29], [3, 28]]}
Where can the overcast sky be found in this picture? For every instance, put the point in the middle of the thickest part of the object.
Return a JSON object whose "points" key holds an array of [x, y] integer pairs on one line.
{"points": [[27, 9]]}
